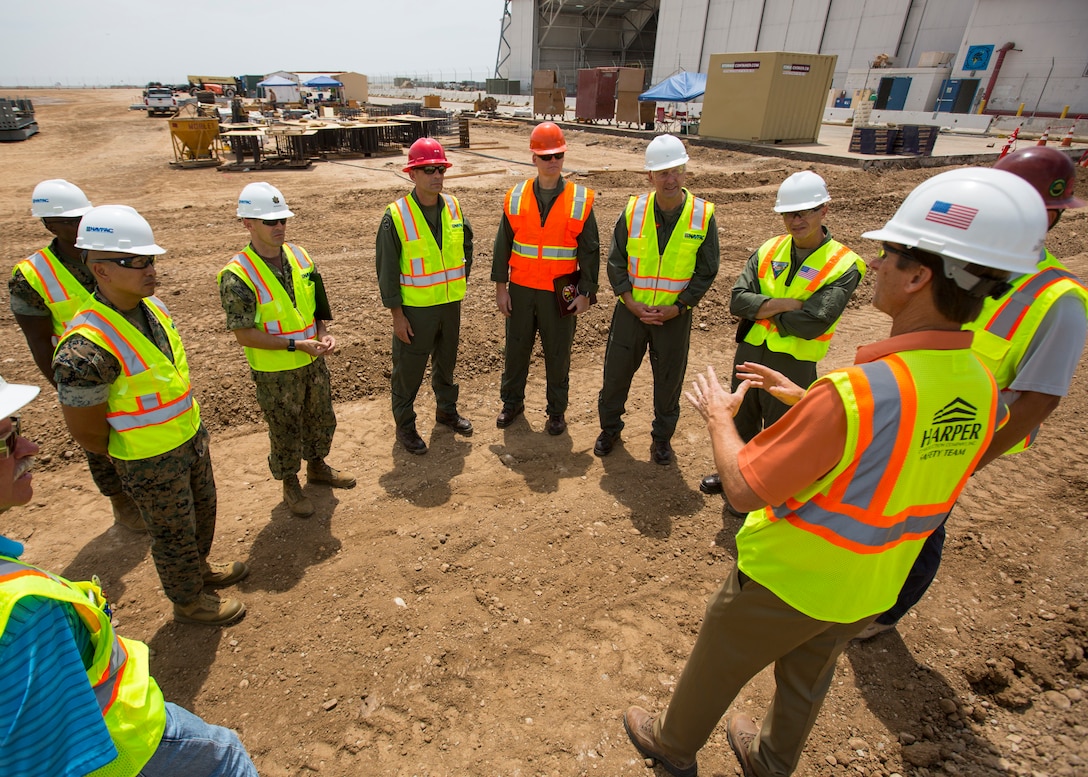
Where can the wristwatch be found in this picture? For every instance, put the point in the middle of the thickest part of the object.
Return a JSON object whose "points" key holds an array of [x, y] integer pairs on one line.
{"points": [[291, 345], [681, 307]]}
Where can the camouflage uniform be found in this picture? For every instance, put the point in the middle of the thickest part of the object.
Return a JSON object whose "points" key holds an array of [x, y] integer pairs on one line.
{"points": [[297, 404], [175, 491], [25, 301]]}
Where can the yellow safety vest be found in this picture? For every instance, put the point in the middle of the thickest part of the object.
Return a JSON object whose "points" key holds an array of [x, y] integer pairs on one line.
{"points": [[430, 275], [276, 315], [657, 277], [541, 254], [917, 424], [131, 702], [62, 293], [826, 264], [1005, 328], [150, 409]]}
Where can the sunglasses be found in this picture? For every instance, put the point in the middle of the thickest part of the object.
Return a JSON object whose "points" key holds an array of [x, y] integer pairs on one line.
{"points": [[886, 249], [128, 262], [273, 222], [550, 157], [12, 439], [803, 214], [432, 169]]}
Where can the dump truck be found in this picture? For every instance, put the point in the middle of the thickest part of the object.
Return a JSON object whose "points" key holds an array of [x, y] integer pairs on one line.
{"points": [[227, 86]]}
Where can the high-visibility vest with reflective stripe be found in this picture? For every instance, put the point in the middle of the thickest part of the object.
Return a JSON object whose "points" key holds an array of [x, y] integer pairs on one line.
{"points": [[543, 253], [430, 275], [917, 425], [826, 264], [275, 313], [1005, 328], [658, 277], [61, 291], [131, 702], [150, 409]]}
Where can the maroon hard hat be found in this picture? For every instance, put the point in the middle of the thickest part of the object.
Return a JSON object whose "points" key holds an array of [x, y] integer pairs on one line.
{"points": [[1050, 171], [426, 151]]}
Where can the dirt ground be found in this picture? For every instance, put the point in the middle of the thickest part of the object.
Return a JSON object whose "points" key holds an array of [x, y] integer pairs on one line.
{"points": [[491, 608]]}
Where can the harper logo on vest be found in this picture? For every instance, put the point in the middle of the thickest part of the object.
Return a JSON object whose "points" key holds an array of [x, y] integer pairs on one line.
{"points": [[954, 424]]}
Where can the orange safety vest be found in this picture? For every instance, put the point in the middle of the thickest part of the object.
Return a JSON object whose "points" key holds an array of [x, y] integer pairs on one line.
{"points": [[543, 253]]}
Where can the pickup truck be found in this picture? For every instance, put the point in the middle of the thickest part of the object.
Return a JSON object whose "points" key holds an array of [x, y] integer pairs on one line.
{"points": [[160, 101]]}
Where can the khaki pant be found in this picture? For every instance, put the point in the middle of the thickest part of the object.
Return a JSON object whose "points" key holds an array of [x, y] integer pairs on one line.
{"points": [[746, 629]]}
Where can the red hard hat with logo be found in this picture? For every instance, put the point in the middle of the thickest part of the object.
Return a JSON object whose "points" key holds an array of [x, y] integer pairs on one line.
{"points": [[547, 138], [425, 152], [1050, 171]]}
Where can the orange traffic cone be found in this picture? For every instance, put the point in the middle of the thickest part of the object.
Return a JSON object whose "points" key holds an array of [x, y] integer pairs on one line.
{"points": [[1044, 137], [1067, 141], [1084, 159], [1010, 143]]}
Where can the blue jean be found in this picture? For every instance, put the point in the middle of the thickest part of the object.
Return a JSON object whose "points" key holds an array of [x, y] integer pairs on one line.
{"points": [[194, 748]]}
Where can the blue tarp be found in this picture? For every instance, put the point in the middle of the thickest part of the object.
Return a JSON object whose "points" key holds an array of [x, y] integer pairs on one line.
{"points": [[322, 81], [679, 88]]}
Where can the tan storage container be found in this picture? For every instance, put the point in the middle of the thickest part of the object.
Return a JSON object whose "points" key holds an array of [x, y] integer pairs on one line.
{"points": [[432, 101], [766, 96], [632, 79], [549, 102], [544, 79], [630, 110]]}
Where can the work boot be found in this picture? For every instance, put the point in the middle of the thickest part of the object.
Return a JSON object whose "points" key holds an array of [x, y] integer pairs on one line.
{"points": [[126, 514], [639, 725], [556, 425], [222, 573], [661, 452], [711, 484], [605, 442], [295, 499], [508, 414], [454, 421], [410, 439], [741, 732], [318, 471], [209, 610]]}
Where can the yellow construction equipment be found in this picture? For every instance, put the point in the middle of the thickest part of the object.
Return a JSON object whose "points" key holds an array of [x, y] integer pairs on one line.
{"points": [[196, 139]]}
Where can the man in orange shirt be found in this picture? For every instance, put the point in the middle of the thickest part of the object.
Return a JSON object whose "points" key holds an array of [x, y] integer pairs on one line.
{"points": [[548, 232]]}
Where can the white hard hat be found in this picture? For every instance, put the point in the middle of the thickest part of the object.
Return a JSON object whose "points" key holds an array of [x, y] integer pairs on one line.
{"points": [[116, 228], [974, 215], [664, 153], [14, 396], [262, 201], [801, 191], [56, 198]]}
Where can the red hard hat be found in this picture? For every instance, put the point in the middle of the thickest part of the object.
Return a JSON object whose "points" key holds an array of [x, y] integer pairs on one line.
{"points": [[547, 138], [426, 151], [1050, 171]]}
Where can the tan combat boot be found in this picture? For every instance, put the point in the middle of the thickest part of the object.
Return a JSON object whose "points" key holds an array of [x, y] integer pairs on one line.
{"points": [[295, 499], [320, 472], [209, 610], [222, 573], [126, 514]]}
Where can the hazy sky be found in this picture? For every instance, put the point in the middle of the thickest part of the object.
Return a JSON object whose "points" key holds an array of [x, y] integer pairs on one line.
{"points": [[100, 42]]}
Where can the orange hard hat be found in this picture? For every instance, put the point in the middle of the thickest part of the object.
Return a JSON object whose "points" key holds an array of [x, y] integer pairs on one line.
{"points": [[547, 138], [424, 152]]}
